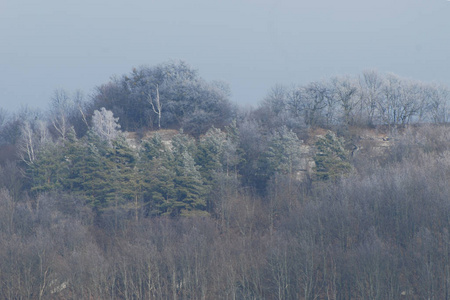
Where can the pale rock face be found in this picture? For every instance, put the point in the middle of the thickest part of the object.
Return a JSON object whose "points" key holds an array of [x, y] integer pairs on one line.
{"points": [[306, 163], [166, 136], [370, 143]]}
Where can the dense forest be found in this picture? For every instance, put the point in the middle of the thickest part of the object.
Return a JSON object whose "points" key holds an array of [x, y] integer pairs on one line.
{"points": [[157, 186]]}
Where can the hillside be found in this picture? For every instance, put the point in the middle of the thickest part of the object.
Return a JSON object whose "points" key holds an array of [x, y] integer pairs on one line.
{"points": [[311, 195]]}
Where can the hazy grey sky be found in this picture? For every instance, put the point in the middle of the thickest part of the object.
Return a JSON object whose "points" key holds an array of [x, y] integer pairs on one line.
{"points": [[251, 44]]}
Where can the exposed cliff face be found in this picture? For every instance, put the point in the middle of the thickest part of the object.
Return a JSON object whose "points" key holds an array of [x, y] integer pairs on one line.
{"points": [[372, 143], [360, 144], [307, 162], [166, 136]]}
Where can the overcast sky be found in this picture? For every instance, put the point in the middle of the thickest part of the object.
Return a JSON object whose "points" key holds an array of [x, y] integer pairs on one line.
{"points": [[250, 44]]}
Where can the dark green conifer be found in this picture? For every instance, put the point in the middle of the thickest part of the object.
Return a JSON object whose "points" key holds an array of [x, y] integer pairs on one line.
{"points": [[331, 159], [157, 175], [49, 170]]}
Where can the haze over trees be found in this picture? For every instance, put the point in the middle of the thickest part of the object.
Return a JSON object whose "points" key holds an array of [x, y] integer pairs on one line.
{"points": [[158, 187]]}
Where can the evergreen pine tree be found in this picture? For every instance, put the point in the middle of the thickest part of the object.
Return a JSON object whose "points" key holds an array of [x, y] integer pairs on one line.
{"points": [[49, 170], [122, 160], [75, 151], [283, 155], [189, 187], [153, 148], [210, 153], [98, 178], [156, 173], [232, 153], [91, 173], [331, 159]]}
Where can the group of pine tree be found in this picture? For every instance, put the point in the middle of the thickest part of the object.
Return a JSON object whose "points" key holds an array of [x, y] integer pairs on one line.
{"points": [[154, 179], [77, 146], [173, 191]]}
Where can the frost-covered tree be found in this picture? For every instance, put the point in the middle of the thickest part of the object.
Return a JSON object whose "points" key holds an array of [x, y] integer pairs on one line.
{"points": [[176, 88], [34, 136], [105, 125]]}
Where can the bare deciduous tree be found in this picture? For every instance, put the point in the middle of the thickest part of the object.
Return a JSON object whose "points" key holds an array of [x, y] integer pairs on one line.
{"points": [[316, 96], [33, 137], [344, 91], [61, 105], [156, 105], [438, 103], [370, 85]]}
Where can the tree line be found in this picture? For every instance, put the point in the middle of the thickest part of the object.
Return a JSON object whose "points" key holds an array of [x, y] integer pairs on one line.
{"points": [[224, 208], [369, 99]]}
